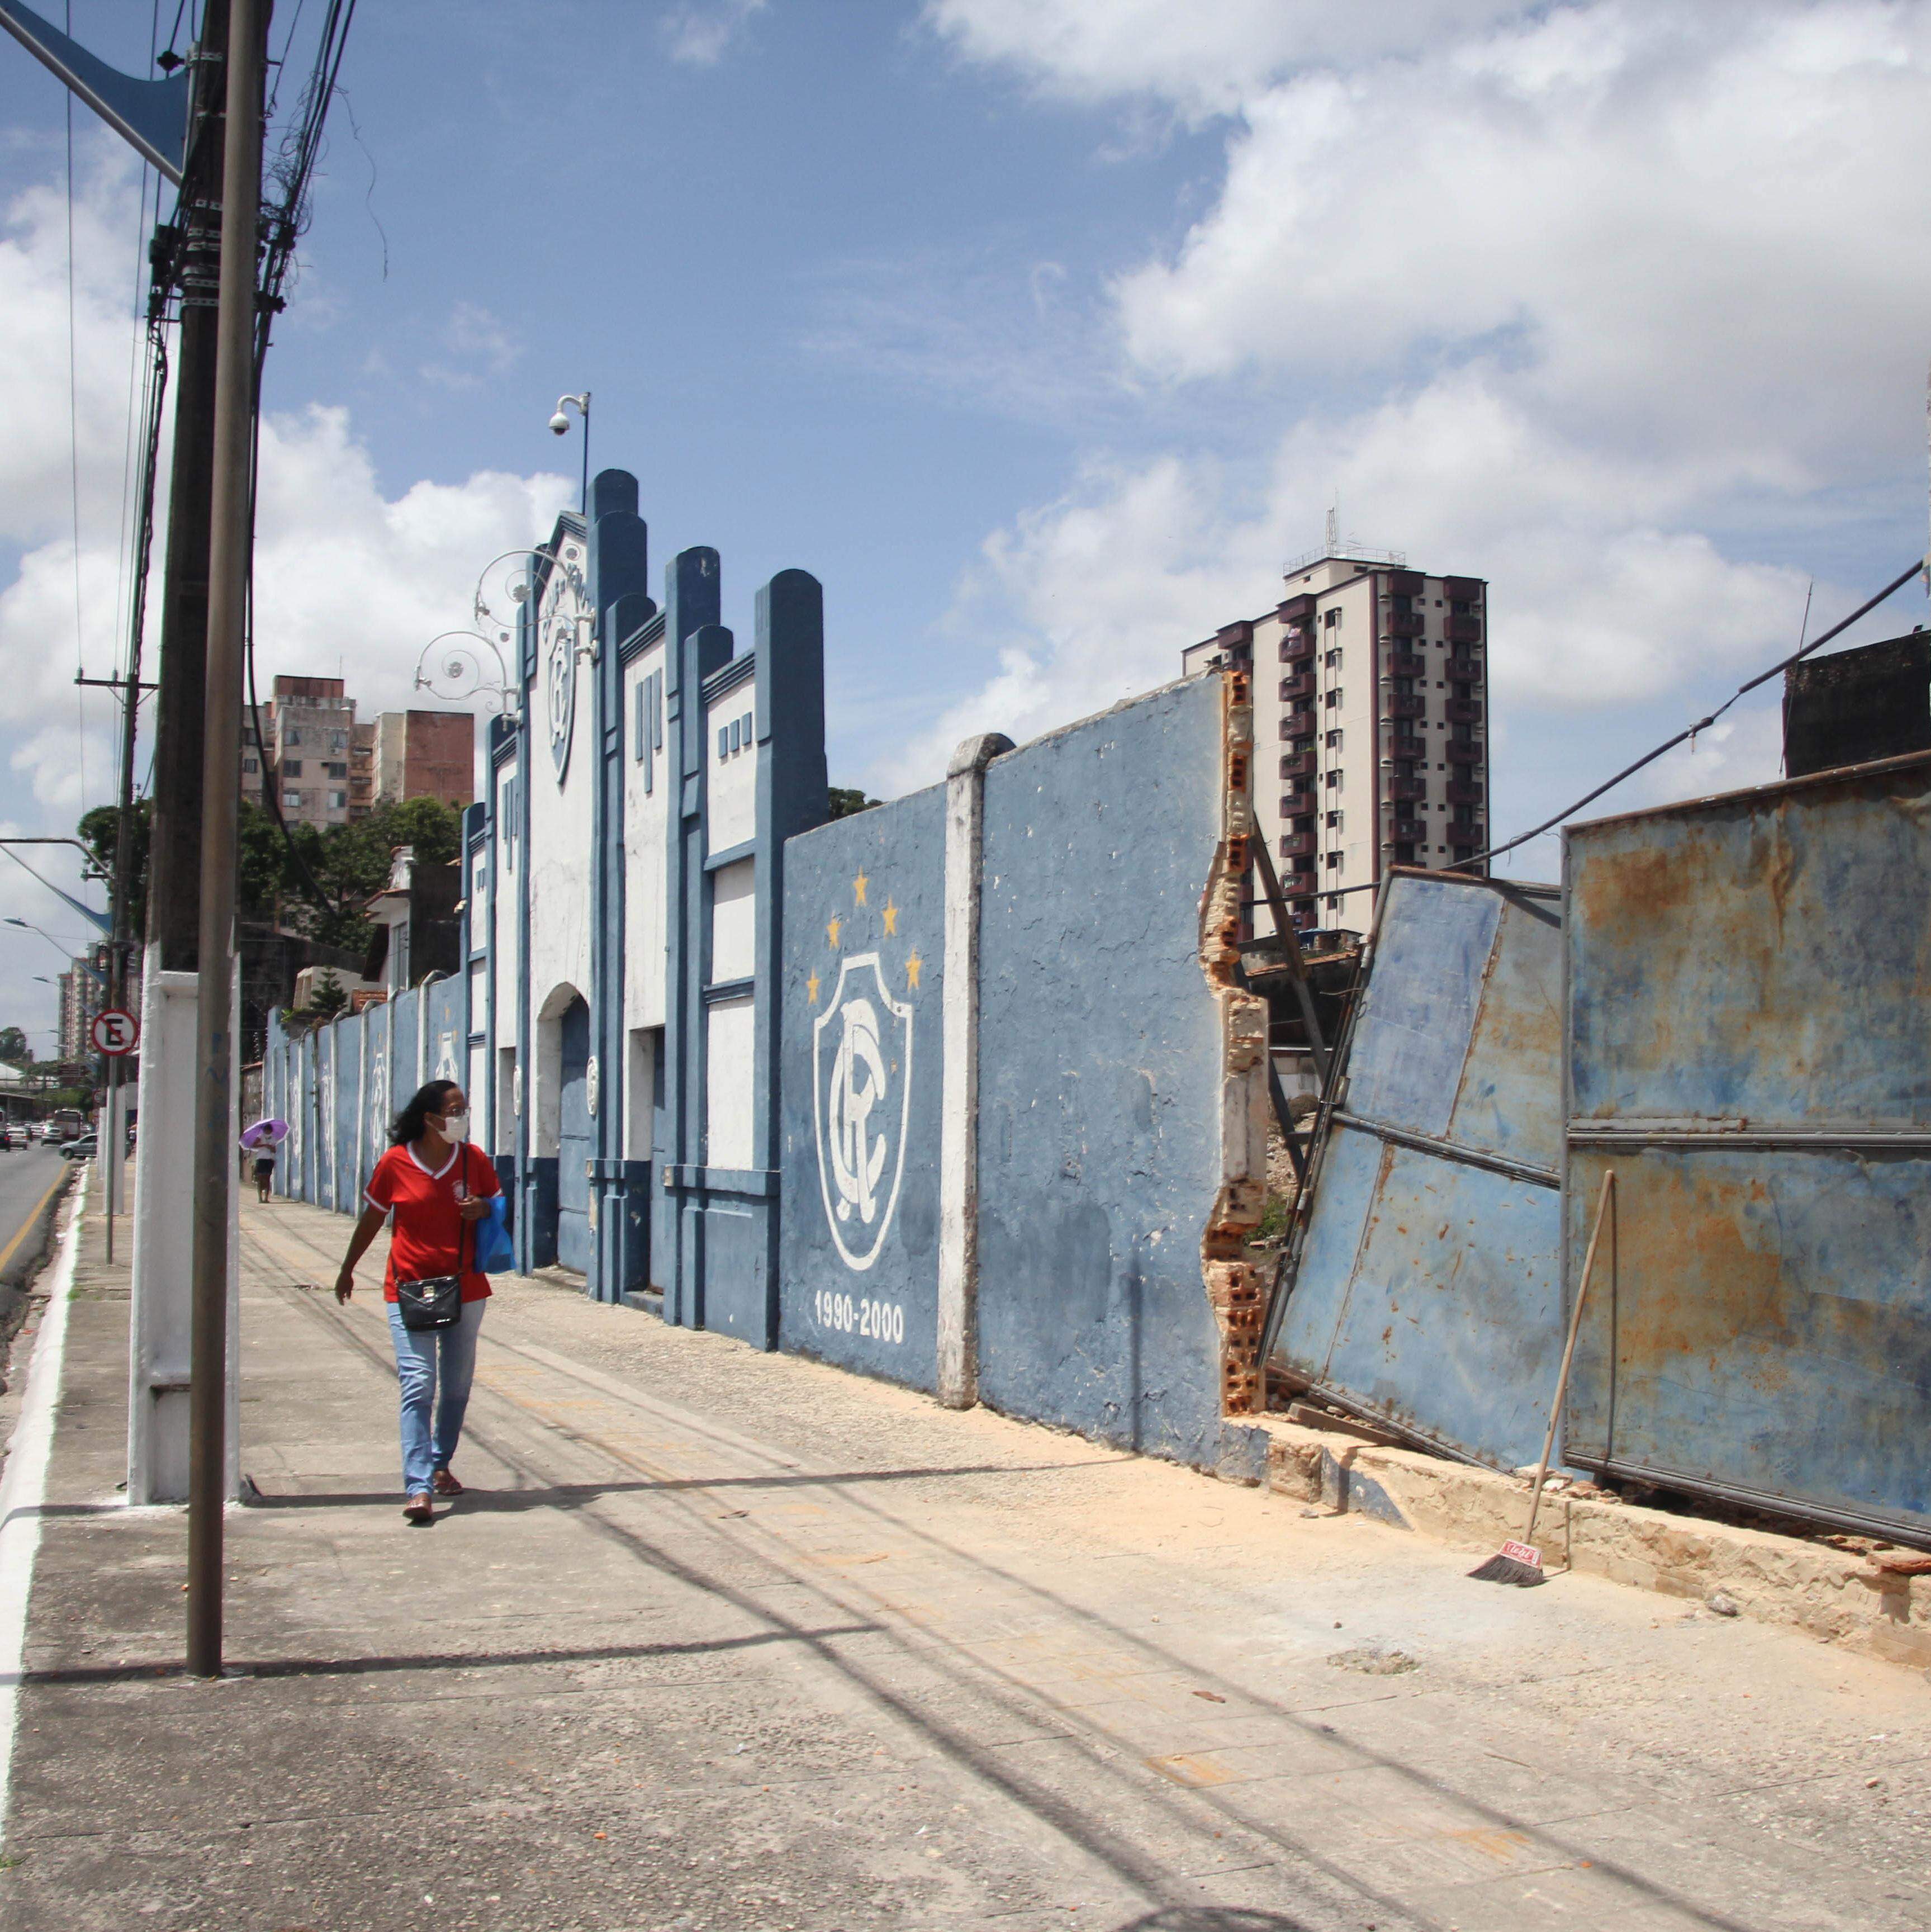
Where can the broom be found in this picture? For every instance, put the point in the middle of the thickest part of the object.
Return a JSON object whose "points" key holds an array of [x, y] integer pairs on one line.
{"points": [[1521, 1563]]}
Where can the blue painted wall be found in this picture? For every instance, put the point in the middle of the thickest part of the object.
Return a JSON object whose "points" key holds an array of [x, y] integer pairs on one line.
{"points": [[1100, 1078], [880, 1319]]}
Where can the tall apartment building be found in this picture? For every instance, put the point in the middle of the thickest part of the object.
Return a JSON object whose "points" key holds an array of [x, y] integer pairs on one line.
{"points": [[1370, 686], [328, 769], [426, 755]]}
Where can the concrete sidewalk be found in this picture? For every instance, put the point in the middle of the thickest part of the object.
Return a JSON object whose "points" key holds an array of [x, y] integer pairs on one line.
{"points": [[732, 1640]]}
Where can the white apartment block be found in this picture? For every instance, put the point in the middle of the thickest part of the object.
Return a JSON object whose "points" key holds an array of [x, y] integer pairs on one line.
{"points": [[1370, 686]]}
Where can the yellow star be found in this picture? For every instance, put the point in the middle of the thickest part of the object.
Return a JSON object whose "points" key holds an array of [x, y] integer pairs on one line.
{"points": [[832, 929], [912, 966], [858, 885], [812, 989], [890, 917]]}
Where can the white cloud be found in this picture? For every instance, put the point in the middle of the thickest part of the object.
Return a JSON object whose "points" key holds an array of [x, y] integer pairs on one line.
{"points": [[347, 576], [700, 35], [478, 345], [1202, 60], [1601, 302]]}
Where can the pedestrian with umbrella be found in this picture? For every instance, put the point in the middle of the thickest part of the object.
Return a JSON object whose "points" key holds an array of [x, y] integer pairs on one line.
{"points": [[261, 1140]]}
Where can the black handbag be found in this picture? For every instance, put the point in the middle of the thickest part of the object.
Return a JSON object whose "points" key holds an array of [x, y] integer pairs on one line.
{"points": [[436, 1300]]}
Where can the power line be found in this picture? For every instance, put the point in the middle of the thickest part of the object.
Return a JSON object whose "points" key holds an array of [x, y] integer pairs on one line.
{"points": [[1918, 568], [73, 447], [1896, 584]]}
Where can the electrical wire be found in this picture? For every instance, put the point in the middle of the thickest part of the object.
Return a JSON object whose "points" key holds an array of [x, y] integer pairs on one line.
{"points": [[74, 450], [1918, 569], [285, 223]]}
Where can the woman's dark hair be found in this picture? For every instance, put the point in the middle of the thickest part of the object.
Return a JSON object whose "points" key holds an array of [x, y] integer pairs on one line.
{"points": [[408, 1125]]}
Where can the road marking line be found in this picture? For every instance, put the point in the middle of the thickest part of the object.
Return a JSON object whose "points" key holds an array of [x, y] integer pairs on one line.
{"points": [[7, 1253], [24, 1485]]}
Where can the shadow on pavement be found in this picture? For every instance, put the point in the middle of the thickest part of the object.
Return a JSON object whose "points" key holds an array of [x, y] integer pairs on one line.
{"points": [[501, 1660]]}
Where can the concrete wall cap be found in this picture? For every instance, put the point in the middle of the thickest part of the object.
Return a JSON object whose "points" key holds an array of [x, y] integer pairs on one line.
{"points": [[974, 753]]}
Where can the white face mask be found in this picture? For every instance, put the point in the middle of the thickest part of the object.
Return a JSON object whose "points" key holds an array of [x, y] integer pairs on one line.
{"points": [[455, 1126]]}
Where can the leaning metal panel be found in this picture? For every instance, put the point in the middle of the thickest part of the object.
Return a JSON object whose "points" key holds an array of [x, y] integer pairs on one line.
{"points": [[1425, 1293], [1748, 1049]]}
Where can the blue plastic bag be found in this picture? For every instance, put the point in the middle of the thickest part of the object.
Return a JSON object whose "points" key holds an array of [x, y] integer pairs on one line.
{"points": [[495, 1254]]}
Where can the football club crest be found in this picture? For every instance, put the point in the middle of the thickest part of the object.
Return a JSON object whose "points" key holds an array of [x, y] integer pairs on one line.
{"points": [[378, 1098], [861, 1103], [559, 680]]}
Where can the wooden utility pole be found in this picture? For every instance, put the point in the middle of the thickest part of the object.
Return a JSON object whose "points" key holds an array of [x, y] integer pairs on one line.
{"points": [[229, 557], [174, 850]]}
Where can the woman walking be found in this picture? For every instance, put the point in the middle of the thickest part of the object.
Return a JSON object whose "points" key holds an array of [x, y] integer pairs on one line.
{"points": [[438, 1187]]}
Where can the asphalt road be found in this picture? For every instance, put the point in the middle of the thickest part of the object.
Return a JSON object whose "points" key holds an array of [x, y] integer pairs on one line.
{"points": [[27, 1176]]}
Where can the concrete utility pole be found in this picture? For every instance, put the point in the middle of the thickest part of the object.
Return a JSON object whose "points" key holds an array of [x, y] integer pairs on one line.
{"points": [[229, 554]]}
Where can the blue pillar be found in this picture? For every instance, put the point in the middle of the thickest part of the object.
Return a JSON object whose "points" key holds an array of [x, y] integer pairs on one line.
{"points": [[792, 797], [619, 572], [694, 646]]}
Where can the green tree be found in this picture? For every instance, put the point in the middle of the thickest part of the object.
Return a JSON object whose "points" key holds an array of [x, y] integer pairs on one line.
{"points": [[99, 833], [328, 998], [316, 881], [845, 800], [14, 1049]]}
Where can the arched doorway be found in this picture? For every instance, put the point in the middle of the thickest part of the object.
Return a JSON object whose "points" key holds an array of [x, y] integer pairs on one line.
{"points": [[573, 1243]]}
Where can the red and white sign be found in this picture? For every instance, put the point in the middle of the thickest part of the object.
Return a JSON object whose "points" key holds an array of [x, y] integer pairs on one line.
{"points": [[114, 1032]]}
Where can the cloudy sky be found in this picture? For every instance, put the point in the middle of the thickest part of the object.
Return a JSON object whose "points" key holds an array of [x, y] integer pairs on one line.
{"points": [[1043, 331]]}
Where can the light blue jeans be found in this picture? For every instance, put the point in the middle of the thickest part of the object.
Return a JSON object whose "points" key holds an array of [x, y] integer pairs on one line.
{"points": [[424, 1357]]}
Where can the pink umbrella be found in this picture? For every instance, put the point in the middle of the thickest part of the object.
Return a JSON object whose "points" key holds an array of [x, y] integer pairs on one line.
{"points": [[264, 1133]]}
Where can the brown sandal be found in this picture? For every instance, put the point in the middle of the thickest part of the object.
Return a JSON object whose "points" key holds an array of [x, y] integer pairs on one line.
{"points": [[420, 1508], [446, 1484]]}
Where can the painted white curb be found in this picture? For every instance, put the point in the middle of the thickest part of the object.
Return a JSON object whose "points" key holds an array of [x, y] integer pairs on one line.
{"points": [[23, 1488]]}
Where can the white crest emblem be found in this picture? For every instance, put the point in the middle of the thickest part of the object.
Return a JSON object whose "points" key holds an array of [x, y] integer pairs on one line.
{"points": [[862, 1050], [378, 1098]]}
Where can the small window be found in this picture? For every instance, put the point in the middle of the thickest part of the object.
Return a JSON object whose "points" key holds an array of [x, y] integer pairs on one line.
{"points": [[1333, 700], [724, 741], [338, 741], [338, 801], [1333, 780], [291, 737], [1332, 660], [1330, 620], [291, 768], [1332, 741], [335, 771], [1333, 861], [291, 801], [250, 765], [1336, 821], [737, 739]]}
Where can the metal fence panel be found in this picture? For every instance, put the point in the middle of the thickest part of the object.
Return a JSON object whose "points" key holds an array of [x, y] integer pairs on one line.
{"points": [[1426, 1290], [1748, 1050]]}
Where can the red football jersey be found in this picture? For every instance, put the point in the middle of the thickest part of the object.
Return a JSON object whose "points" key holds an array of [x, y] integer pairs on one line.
{"points": [[425, 1229]]}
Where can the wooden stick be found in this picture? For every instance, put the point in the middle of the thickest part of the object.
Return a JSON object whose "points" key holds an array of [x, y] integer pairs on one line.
{"points": [[1569, 1351]]}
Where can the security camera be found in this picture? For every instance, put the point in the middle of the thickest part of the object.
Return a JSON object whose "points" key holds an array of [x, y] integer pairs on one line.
{"points": [[559, 424]]}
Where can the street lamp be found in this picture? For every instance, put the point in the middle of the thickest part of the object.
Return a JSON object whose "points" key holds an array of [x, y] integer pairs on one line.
{"points": [[73, 958], [559, 425]]}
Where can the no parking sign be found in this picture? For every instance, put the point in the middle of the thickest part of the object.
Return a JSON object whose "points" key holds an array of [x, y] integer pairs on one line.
{"points": [[114, 1032]]}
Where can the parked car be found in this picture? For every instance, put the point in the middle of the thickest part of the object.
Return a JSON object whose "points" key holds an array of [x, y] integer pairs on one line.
{"points": [[13, 1136], [85, 1148]]}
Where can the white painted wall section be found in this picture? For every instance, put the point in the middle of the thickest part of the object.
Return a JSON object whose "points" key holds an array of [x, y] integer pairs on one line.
{"points": [[728, 1125], [734, 921], [731, 722]]}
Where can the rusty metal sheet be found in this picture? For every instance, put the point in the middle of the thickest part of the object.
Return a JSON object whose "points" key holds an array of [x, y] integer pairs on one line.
{"points": [[1748, 1048], [1424, 1288]]}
